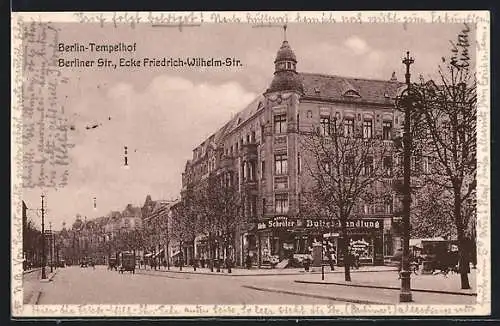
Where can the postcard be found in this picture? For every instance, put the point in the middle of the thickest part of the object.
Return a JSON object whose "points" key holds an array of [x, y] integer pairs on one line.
{"points": [[250, 164]]}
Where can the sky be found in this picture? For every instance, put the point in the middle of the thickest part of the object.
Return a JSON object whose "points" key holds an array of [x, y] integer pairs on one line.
{"points": [[161, 114]]}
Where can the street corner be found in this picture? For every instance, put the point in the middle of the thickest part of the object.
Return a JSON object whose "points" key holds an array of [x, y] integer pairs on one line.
{"points": [[50, 277]]}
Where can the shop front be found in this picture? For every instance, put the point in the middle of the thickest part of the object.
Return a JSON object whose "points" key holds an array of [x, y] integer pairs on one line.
{"points": [[287, 238]]}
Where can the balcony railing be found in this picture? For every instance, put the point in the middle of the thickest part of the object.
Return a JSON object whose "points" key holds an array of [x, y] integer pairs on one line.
{"points": [[249, 151]]}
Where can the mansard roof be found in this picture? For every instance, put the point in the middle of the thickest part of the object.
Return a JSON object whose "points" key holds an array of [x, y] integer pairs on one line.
{"points": [[339, 88]]}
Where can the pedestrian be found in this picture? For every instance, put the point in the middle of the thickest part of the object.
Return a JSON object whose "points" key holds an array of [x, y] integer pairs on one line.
{"points": [[248, 261], [307, 263]]}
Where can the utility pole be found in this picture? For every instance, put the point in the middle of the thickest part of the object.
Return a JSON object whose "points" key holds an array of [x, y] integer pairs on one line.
{"points": [[50, 249], [44, 276], [168, 249], [405, 294]]}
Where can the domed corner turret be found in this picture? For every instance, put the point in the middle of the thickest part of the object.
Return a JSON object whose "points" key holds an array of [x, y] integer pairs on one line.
{"points": [[285, 53], [286, 77]]}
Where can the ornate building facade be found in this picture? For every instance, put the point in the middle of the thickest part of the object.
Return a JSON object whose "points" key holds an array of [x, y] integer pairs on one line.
{"points": [[260, 150]]}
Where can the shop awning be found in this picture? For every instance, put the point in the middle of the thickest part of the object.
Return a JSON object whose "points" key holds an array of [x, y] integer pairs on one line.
{"points": [[159, 253], [418, 242], [176, 253], [148, 255]]}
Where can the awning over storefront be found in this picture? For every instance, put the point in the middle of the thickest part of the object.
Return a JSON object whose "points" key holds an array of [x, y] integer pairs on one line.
{"points": [[176, 253], [148, 255], [158, 253], [418, 242]]}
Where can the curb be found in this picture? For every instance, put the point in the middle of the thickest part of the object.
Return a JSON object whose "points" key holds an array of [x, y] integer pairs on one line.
{"points": [[264, 274], [50, 277], [387, 288], [35, 297], [32, 270], [317, 296]]}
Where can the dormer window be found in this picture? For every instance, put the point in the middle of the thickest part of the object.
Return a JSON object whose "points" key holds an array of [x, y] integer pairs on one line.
{"points": [[316, 90], [348, 89], [351, 93], [239, 121]]}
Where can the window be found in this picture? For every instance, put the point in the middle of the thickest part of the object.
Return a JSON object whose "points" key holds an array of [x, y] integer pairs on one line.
{"points": [[327, 167], [349, 127], [416, 163], [386, 130], [368, 166], [324, 126], [281, 165], [244, 170], [248, 139], [368, 209], [281, 203], [253, 210], [263, 169], [349, 166], [309, 114], [367, 129], [263, 205], [262, 136], [388, 166], [426, 164], [333, 126], [299, 163], [252, 170], [280, 123], [253, 137], [388, 208]]}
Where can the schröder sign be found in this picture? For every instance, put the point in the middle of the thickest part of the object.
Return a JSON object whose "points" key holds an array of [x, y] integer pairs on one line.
{"points": [[278, 222], [285, 222]]}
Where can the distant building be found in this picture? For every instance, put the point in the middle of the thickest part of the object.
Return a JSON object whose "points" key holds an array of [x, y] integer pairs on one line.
{"points": [[155, 224]]}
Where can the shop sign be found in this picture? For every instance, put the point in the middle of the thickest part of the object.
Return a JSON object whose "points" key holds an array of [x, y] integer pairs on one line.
{"points": [[284, 222], [352, 223], [277, 222]]}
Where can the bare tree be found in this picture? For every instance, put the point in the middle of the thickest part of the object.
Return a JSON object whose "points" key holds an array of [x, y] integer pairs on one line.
{"points": [[207, 207], [185, 220], [449, 110], [228, 208], [345, 165], [431, 213]]}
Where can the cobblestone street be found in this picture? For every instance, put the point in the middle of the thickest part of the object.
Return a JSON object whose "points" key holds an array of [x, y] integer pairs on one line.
{"points": [[75, 285]]}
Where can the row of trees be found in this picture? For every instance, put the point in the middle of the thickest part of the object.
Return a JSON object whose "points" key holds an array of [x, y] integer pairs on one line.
{"points": [[213, 209], [32, 243], [347, 169]]}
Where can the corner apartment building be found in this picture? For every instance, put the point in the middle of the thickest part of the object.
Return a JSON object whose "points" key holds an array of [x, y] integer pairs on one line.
{"points": [[260, 150]]}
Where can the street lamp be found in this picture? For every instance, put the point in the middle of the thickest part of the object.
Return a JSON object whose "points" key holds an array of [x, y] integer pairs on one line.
{"points": [[49, 233], [405, 294]]}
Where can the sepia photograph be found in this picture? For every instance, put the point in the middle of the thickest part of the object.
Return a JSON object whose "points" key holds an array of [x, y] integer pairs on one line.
{"points": [[250, 164]]}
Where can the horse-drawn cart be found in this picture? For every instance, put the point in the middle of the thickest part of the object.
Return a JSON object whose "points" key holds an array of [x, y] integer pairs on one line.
{"points": [[127, 262]]}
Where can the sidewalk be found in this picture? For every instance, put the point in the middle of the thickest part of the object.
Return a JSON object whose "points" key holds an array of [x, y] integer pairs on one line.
{"points": [[268, 271], [32, 284], [389, 281]]}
